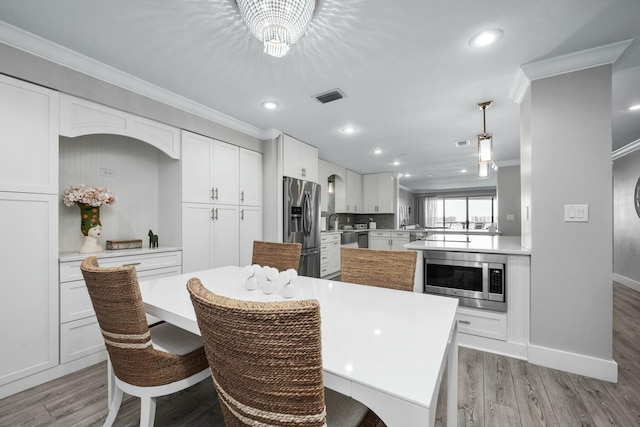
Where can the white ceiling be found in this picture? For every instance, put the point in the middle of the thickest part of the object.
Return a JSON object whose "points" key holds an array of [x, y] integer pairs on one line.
{"points": [[412, 81]]}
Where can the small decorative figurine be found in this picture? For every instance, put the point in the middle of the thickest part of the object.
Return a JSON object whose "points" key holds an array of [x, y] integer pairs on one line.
{"points": [[153, 240]]}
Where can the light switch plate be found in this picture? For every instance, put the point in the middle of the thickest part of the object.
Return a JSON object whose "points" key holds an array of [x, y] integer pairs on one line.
{"points": [[576, 213]]}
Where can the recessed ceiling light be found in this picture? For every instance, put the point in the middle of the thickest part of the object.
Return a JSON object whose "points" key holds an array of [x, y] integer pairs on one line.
{"points": [[485, 38], [349, 130], [407, 175], [377, 151], [270, 105], [463, 171], [634, 107], [396, 163]]}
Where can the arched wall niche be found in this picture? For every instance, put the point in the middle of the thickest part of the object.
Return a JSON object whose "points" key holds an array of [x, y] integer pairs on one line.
{"points": [[144, 178]]}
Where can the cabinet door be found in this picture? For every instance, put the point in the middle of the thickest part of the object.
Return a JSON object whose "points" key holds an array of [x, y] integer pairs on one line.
{"points": [[225, 242], [250, 178], [29, 291], [29, 141], [379, 243], [370, 193], [196, 166], [292, 157], [386, 193], [225, 173], [196, 237], [250, 230], [309, 156], [354, 201], [397, 243]]}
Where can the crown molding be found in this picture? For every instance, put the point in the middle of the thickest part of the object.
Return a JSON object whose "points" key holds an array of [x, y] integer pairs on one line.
{"points": [[45, 49], [627, 149], [576, 61]]}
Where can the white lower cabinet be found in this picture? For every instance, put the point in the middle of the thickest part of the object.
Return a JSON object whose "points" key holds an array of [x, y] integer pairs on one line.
{"points": [[218, 235], [484, 323], [250, 230], [329, 254], [29, 285], [79, 331], [388, 240], [209, 236]]}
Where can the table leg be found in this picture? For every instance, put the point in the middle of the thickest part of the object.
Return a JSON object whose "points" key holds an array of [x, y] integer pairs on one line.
{"points": [[452, 380]]}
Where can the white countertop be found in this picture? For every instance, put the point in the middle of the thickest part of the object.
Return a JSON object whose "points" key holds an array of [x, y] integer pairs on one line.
{"points": [[77, 256], [509, 245]]}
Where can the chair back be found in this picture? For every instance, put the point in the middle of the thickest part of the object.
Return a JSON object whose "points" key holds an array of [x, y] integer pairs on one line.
{"points": [[382, 268], [116, 299], [265, 358], [282, 256]]}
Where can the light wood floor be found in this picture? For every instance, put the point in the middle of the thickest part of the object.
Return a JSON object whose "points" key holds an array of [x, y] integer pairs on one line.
{"points": [[493, 391]]}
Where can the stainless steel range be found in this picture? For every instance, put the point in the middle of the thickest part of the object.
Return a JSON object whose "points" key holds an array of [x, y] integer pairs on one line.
{"points": [[476, 279]]}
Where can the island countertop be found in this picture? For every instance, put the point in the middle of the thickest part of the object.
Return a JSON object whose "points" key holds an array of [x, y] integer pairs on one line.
{"points": [[509, 245]]}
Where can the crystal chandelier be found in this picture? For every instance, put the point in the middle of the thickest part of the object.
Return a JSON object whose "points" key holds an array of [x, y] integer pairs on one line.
{"points": [[278, 23]]}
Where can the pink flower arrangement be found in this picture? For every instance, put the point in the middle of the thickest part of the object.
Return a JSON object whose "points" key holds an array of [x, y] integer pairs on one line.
{"points": [[82, 194]]}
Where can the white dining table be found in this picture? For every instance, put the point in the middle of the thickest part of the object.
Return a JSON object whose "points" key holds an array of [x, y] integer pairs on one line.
{"points": [[385, 348]]}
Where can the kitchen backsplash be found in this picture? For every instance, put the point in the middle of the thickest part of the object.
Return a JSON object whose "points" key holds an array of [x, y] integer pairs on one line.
{"points": [[382, 220]]}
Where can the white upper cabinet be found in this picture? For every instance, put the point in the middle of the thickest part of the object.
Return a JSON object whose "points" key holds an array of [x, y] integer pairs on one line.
{"points": [[29, 141], [80, 117], [300, 160], [379, 193], [250, 178], [210, 170], [196, 168], [225, 173], [354, 202]]}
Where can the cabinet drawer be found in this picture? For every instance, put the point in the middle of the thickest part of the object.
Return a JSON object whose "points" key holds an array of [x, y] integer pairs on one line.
{"points": [[75, 302], [400, 234], [70, 271], [80, 338], [379, 234], [331, 237], [482, 323]]}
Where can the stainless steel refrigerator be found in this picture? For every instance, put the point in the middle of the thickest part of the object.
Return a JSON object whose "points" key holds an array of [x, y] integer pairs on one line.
{"points": [[302, 222]]}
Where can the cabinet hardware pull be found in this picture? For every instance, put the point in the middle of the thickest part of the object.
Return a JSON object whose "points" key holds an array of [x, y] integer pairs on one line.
{"points": [[304, 171], [242, 196], [242, 215], [216, 214], [212, 214], [133, 263], [464, 322], [216, 193], [212, 193]]}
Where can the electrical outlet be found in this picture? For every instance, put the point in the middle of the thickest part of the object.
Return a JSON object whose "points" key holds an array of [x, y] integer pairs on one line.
{"points": [[111, 173]]}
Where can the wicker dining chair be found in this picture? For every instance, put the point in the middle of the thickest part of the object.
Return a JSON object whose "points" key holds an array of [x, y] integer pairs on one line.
{"points": [[282, 256], [382, 268], [144, 361], [266, 362]]}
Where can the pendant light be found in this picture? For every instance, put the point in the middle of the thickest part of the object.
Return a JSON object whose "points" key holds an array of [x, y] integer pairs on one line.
{"points": [[483, 169], [485, 140]]}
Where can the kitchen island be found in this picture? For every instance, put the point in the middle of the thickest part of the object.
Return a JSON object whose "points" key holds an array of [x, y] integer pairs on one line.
{"points": [[489, 330]]}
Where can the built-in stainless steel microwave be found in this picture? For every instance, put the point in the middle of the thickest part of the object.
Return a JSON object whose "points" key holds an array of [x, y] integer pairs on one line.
{"points": [[477, 280]]}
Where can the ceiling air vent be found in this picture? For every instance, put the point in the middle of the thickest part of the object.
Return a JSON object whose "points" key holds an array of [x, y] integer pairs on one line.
{"points": [[462, 143], [332, 95]]}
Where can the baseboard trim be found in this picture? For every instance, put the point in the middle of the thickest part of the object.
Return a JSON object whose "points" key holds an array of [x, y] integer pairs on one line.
{"points": [[51, 374], [505, 348], [580, 364], [629, 283]]}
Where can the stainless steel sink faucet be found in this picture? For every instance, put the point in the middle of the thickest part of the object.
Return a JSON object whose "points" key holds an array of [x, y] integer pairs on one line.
{"points": [[335, 224]]}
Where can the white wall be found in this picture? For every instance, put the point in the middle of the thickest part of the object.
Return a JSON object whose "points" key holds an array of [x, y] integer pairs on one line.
{"points": [[508, 192], [570, 160]]}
